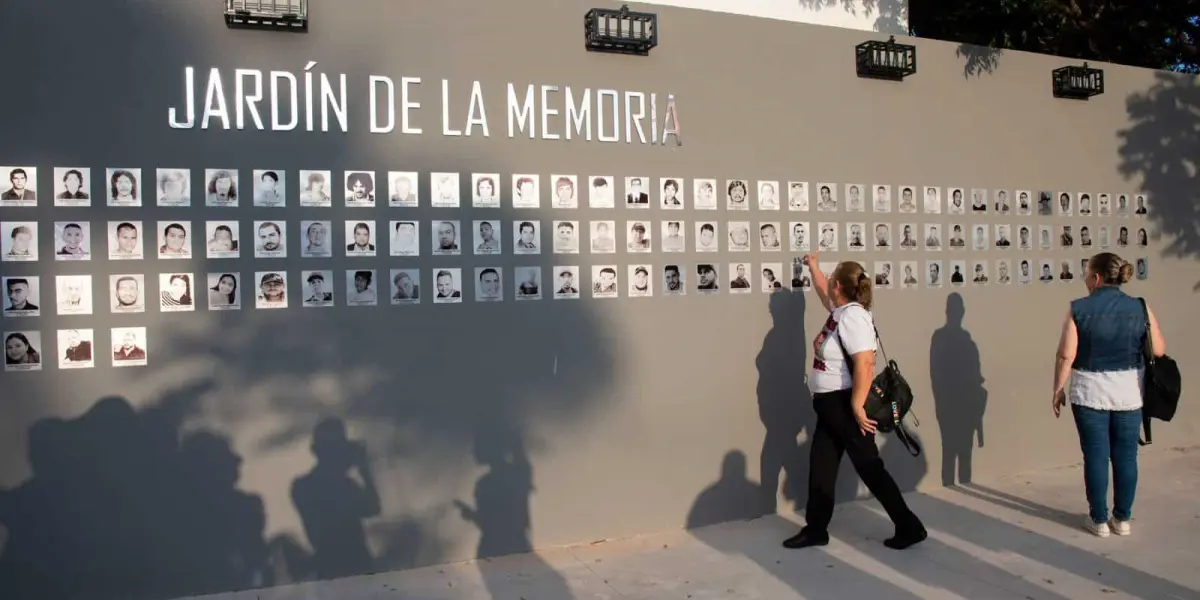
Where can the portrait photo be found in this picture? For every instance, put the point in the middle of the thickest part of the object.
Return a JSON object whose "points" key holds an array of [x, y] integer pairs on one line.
{"points": [[527, 283], [565, 196], [174, 240], [933, 200], [72, 186], [640, 285], [221, 239], [404, 189], [603, 240], [908, 200], [1122, 205], [361, 287], [674, 238], [768, 237], [22, 296], [908, 274], [1143, 269], [706, 236], [881, 198], [1064, 205], [488, 284], [771, 277], [707, 278], [221, 187], [737, 194], [933, 237], [74, 294], [827, 197], [636, 192], [444, 190], [1003, 236], [488, 238], [600, 192], [360, 238], [670, 193], [1046, 271], [270, 188], [19, 185], [1067, 236], [527, 237], [798, 199], [318, 289], [175, 292], [72, 240], [446, 238], [1122, 236], [739, 236], [1002, 203], [566, 237], [979, 272], [406, 286], [1104, 205], [1025, 237], [801, 275], [1105, 234], [933, 274], [1045, 204], [958, 272], [908, 237], [525, 191], [484, 192], [882, 239], [314, 188], [75, 349], [174, 187], [979, 237], [272, 289], [704, 194], [19, 242], [1140, 207], [1045, 237], [854, 197], [1003, 271], [958, 240], [1065, 272], [1024, 203], [979, 201], [127, 293], [828, 241], [768, 195], [1085, 237], [604, 281], [1143, 239], [566, 282], [129, 347], [674, 281], [406, 238], [23, 351], [637, 236], [958, 203], [223, 291], [316, 240], [1025, 271], [447, 285], [739, 278], [799, 240], [883, 274], [855, 237], [271, 240], [1084, 202], [360, 189]]}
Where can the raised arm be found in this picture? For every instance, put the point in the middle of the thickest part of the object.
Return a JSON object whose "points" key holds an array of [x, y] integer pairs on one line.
{"points": [[820, 282]]}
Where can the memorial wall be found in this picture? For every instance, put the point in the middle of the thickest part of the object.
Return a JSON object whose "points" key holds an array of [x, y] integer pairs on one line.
{"points": [[431, 281]]}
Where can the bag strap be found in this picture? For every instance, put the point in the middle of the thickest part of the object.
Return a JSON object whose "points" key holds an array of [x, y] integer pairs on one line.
{"points": [[910, 443], [1148, 354], [1146, 427]]}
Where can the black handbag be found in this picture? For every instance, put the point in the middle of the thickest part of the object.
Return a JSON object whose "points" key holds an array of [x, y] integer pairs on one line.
{"points": [[1162, 384], [889, 400]]}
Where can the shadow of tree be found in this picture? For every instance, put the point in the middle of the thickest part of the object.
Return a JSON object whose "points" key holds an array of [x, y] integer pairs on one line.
{"points": [[891, 16], [978, 60]]}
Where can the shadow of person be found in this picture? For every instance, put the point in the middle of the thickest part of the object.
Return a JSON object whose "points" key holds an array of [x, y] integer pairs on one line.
{"points": [[784, 404], [959, 397], [333, 506], [731, 497]]}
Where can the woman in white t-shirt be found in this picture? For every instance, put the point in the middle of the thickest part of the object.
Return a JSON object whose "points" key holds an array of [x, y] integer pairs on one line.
{"points": [[839, 397]]}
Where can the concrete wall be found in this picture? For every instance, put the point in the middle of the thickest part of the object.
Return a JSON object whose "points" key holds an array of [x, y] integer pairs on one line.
{"points": [[598, 418]]}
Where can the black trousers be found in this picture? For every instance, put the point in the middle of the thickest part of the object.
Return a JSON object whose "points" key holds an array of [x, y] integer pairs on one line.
{"points": [[837, 433]]}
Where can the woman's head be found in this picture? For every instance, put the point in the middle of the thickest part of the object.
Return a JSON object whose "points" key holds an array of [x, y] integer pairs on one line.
{"points": [[1107, 268], [850, 283]]}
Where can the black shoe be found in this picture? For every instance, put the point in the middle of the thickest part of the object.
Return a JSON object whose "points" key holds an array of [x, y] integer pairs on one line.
{"points": [[907, 538], [807, 538]]}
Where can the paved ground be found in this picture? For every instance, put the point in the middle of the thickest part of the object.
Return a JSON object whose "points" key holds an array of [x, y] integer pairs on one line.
{"points": [[1017, 538]]}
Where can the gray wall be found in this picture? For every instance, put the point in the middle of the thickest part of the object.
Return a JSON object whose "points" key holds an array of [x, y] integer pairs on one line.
{"points": [[601, 419]]}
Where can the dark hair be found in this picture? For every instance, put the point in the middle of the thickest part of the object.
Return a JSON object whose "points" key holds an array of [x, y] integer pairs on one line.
{"points": [[856, 286], [1112, 269]]}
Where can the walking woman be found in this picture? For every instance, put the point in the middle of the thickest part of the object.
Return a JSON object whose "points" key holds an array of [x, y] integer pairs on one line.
{"points": [[1101, 355], [843, 368]]}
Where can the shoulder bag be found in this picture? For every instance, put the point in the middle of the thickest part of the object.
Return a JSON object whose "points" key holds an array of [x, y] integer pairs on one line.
{"points": [[889, 399], [1162, 384]]}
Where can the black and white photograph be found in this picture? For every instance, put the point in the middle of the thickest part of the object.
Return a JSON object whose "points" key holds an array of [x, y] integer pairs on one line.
{"points": [[1104, 205], [488, 237], [271, 241], [1065, 272], [127, 293], [406, 238], [360, 238], [174, 240], [272, 289], [1003, 236], [527, 283], [22, 296], [527, 237], [1143, 269], [1046, 271], [636, 195], [318, 289], [72, 240], [909, 275], [20, 241], [447, 240], [707, 278], [739, 236], [854, 197], [174, 187], [1002, 203], [485, 193], [827, 197], [640, 285], [957, 204], [828, 240], [670, 193], [72, 186], [23, 351], [768, 195], [737, 194], [404, 188], [361, 287], [801, 276], [270, 188], [1122, 205], [799, 240], [881, 198], [933, 200], [406, 286], [221, 187], [979, 201], [908, 237], [855, 237], [221, 239], [1085, 237], [958, 240], [1045, 203], [1066, 237], [1083, 263], [1045, 237], [674, 238], [175, 292], [360, 189], [1104, 234], [933, 237], [638, 236], [1024, 203], [603, 239], [525, 191], [316, 240], [1084, 202], [933, 274], [130, 347], [798, 199], [958, 273], [1123, 237], [76, 349], [771, 277], [1003, 271], [739, 278], [315, 190], [604, 281], [882, 237], [19, 185], [979, 272], [601, 191], [447, 285], [704, 194], [908, 200], [1064, 206], [768, 237], [706, 236], [1143, 239], [444, 192], [74, 294], [674, 280], [1025, 237], [223, 291], [566, 283], [883, 274], [979, 237], [1025, 271], [565, 194], [566, 237]]}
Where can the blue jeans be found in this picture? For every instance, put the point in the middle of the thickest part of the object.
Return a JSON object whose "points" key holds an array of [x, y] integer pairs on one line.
{"points": [[1108, 436]]}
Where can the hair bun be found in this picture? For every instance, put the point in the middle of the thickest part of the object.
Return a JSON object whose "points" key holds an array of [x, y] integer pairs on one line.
{"points": [[1126, 272]]}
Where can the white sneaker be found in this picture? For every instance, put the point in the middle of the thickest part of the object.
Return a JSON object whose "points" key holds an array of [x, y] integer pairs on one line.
{"points": [[1119, 527], [1098, 529]]}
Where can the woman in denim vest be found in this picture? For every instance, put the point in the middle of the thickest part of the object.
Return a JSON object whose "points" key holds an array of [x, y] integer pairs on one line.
{"points": [[1101, 353]]}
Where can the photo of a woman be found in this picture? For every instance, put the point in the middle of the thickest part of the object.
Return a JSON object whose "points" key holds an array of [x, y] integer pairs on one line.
{"points": [[222, 188], [176, 294], [315, 190], [223, 291], [123, 187], [20, 351]]}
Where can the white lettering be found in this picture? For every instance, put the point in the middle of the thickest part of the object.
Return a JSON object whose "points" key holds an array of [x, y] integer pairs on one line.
{"points": [[634, 120], [446, 111], [548, 112], [293, 101], [616, 116], [331, 102], [671, 122], [308, 95], [579, 115], [375, 80], [245, 100], [215, 93], [476, 114], [525, 114], [407, 107], [189, 99]]}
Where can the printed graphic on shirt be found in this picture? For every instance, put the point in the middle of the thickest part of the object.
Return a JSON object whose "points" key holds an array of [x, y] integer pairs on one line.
{"points": [[827, 330]]}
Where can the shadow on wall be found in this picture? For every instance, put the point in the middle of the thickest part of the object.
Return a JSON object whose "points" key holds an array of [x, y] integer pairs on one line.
{"points": [[1161, 147], [959, 398], [891, 16]]}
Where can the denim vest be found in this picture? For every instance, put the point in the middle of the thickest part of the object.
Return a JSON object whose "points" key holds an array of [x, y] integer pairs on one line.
{"points": [[1112, 331]]}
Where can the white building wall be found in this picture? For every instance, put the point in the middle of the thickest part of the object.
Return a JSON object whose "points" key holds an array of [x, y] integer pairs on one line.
{"points": [[887, 16]]}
